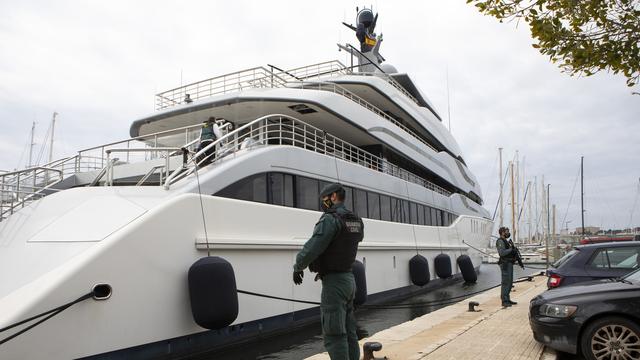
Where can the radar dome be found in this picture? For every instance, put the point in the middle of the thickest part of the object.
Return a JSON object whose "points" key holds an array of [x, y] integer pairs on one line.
{"points": [[388, 68], [365, 17]]}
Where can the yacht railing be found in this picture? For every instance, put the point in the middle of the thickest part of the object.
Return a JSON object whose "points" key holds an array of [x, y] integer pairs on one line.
{"points": [[17, 188], [335, 68], [258, 77], [186, 136], [391, 81], [278, 129], [166, 155], [293, 78], [315, 71], [21, 187], [337, 89]]}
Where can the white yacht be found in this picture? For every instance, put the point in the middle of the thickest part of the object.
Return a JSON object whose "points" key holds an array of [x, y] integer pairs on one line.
{"points": [[122, 223]]}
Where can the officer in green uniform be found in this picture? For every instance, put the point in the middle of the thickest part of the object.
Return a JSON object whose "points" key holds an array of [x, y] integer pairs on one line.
{"points": [[507, 253], [207, 136], [330, 252]]}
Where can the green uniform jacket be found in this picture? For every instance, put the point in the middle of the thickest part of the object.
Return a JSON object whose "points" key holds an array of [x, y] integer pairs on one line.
{"points": [[323, 233], [207, 132], [504, 250]]}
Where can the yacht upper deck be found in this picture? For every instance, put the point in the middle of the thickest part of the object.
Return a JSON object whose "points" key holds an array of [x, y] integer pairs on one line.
{"points": [[263, 77]]}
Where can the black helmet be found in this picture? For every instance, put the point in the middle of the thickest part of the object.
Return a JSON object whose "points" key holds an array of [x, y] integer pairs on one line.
{"points": [[332, 188]]}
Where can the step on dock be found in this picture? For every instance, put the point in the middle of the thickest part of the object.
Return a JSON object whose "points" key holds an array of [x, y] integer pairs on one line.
{"points": [[455, 333]]}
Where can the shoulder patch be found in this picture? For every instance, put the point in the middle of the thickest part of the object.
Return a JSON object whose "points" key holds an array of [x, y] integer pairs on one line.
{"points": [[353, 226]]}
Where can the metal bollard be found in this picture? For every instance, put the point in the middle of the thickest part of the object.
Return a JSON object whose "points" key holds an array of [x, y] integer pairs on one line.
{"points": [[472, 306], [368, 349]]}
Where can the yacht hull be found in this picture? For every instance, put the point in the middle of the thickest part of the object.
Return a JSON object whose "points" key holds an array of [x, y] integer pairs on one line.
{"points": [[146, 262]]}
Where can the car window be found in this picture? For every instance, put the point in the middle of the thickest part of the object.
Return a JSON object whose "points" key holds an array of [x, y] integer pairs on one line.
{"points": [[565, 258], [634, 277], [600, 260], [623, 257]]}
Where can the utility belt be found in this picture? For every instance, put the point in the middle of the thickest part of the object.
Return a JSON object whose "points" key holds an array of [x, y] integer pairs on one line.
{"points": [[319, 276], [506, 260]]}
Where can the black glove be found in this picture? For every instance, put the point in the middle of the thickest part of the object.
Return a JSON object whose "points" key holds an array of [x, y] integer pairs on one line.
{"points": [[297, 277]]}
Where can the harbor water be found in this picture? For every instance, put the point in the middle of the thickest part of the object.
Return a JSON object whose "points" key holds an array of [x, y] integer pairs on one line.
{"points": [[307, 341]]}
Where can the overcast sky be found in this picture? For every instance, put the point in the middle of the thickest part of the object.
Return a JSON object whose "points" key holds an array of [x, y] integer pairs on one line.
{"points": [[98, 64]]}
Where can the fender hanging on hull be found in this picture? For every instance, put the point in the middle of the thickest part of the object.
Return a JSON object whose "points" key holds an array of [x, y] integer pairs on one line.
{"points": [[213, 293]]}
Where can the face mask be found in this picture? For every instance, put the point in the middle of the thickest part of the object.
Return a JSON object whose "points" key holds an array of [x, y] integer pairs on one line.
{"points": [[507, 235], [326, 204]]}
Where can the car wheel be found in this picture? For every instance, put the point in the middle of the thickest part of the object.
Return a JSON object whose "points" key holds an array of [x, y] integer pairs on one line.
{"points": [[611, 338]]}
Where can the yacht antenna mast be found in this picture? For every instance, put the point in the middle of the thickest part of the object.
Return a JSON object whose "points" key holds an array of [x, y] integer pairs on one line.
{"points": [[368, 56]]}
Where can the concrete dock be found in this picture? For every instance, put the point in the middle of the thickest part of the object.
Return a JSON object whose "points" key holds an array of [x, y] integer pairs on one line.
{"points": [[453, 332]]}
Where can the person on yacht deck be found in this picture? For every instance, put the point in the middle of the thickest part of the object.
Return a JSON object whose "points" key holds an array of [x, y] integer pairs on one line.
{"points": [[207, 136]]}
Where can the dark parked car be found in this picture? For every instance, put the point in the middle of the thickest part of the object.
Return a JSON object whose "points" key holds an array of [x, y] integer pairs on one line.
{"points": [[594, 262], [600, 319]]}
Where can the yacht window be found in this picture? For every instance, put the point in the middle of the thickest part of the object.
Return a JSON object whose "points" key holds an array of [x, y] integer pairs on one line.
{"points": [[405, 212], [252, 188], [427, 215], [281, 189], [323, 184], [420, 214], [373, 199], [385, 208], [303, 192], [307, 193], [288, 190], [396, 210], [413, 211], [276, 188], [348, 198], [360, 198]]}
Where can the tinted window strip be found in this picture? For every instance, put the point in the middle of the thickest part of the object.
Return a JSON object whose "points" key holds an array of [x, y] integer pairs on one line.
{"points": [[301, 192]]}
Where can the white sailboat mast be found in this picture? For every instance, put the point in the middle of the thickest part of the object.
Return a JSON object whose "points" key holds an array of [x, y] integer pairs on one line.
{"points": [[53, 126], [31, 144], [516, 227], [529, 217], [513, 201], [500, 179]]}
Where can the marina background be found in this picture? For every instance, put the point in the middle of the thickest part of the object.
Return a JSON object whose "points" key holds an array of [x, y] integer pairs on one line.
{"points": [[98, 65]]}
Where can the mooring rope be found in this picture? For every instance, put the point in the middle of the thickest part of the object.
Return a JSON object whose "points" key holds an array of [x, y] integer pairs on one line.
{"points": [[446, 301], [51, 313]]}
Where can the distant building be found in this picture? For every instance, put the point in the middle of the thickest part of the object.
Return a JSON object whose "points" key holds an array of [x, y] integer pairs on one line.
{"points": [[588, 230]]}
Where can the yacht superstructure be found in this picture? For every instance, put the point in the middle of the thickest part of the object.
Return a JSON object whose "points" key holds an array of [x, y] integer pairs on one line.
{"points": [[132, 216]]}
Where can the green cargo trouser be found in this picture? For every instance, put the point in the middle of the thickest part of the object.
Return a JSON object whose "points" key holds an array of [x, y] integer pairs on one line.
{"points": [[338, 321], [507, 281]]}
